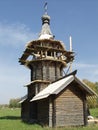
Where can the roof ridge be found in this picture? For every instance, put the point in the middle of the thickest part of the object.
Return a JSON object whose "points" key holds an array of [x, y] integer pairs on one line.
{"points": [[72, 73]]}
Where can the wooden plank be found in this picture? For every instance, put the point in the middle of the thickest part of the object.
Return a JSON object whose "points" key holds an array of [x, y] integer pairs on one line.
{"points": [[69, 108]]}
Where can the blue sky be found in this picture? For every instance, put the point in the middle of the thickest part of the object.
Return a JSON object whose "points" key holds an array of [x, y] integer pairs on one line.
{"points": [[20, 22]]}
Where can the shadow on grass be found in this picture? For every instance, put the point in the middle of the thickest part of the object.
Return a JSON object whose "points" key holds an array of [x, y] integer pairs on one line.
{"points": [[32, 122], [28, 122], [10, 117]]}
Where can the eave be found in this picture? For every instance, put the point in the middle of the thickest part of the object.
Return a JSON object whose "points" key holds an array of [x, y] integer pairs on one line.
{"points": [[56, 87]]}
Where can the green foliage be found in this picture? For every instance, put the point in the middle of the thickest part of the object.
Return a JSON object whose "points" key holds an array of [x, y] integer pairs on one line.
{"points": [[92, 101], [10, 120], [94, 112], [96, 83], [90, 84], [14, 103], [3, 105]]}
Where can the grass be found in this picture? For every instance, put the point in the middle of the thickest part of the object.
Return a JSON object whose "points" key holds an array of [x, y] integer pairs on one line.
{"points": [[10, 120]]}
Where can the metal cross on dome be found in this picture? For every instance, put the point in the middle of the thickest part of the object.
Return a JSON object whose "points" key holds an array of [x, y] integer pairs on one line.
{"points": [[45, 7]]}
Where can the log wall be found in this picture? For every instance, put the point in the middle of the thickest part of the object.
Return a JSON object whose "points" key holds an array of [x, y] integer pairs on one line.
{"points": [[29, 111], [25, 110], [69, 109], [31, 91], [43, 112], [49, 71]]}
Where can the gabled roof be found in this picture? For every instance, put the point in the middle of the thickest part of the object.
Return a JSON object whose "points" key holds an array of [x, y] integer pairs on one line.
{"points": [[24, 98], [58, 86]]}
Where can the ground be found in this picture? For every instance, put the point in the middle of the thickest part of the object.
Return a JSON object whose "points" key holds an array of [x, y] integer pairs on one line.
{"points": [[10, 120]]}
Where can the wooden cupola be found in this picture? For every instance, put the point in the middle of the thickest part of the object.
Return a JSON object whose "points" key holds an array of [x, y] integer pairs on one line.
{"points": [[47, 53]]}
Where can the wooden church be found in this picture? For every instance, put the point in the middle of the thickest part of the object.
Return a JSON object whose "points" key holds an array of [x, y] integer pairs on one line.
{"points": [[52, 99]]}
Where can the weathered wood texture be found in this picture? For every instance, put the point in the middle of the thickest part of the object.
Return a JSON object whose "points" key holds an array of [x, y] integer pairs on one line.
{"points": [[49, 71], [69, 109], [31, 91], [29, 110], [43, 112], [36, 88], [25, 110], [50, 48]]}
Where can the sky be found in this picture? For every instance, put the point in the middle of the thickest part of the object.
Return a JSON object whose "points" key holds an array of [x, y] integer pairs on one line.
{"points": [[20, 22]]}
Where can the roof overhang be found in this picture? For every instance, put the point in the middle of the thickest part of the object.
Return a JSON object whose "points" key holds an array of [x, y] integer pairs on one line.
{"points": [[37, 81], [24, 98], [58, 86], [85, 87]]}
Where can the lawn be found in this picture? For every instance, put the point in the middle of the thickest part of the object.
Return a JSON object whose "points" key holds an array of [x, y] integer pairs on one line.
{"points": [[10, 120]]}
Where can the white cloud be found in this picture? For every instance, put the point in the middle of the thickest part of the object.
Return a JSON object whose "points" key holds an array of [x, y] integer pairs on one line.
{"points": [[15, 34], [87, 71], [85, 65], [12, 75]]}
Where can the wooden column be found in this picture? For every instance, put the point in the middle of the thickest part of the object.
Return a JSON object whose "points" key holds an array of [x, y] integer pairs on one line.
{"points": [[52, 117], [85, 111], [50, 112]]}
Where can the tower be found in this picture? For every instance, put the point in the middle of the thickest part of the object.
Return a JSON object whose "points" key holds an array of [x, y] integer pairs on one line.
{"points": [[46, 58]]}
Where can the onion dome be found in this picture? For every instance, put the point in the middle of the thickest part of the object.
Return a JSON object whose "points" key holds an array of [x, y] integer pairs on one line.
{"points": [[46, 31]]}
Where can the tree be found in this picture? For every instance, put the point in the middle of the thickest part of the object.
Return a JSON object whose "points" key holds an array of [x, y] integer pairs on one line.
{"points": [[92, 101], [14, 103]]}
